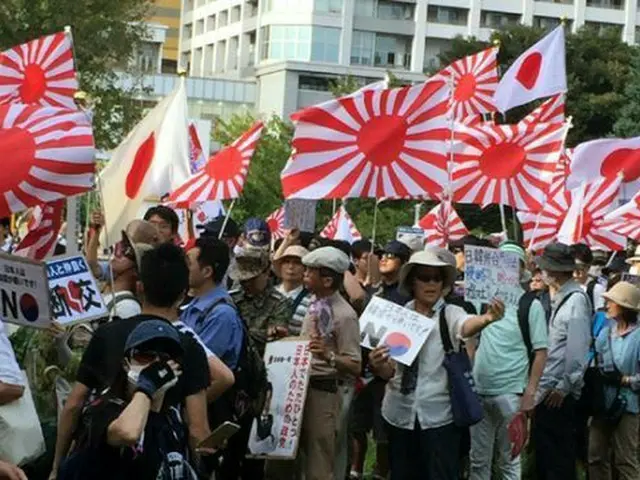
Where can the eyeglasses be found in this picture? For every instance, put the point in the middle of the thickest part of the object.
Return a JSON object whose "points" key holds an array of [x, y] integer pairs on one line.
{"points": [[429, 277], [389, 256], [145, 357]]}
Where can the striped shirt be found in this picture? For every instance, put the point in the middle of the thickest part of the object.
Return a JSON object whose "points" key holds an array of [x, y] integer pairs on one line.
{"points": [[295, 324]]}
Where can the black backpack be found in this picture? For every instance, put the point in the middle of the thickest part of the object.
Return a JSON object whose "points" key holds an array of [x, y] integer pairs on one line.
{"points": [[248, 393], [524, 307]]}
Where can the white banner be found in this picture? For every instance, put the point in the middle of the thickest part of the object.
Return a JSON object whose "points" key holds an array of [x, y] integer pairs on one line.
{"points": [[402, 330], [491, 273], [24, 292], [75, 296], [276, 432]]}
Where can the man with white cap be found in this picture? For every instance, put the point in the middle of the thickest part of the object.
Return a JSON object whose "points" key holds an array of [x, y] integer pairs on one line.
{"points": [[289, 268], [332, 325]]}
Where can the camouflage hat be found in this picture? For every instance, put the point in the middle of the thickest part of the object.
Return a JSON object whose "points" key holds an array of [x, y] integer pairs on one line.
{"points": [[249, 263]]}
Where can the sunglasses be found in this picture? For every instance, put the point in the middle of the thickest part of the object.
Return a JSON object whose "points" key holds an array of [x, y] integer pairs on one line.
{"points": [[429, 277], [389, 256], [145, 357]]}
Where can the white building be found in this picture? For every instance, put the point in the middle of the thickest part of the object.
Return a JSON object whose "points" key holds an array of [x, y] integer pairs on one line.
{"points": [[293, 47]]}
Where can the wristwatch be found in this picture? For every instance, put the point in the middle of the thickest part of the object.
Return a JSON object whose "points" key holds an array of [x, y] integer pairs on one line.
{"points": [[332, 359]]}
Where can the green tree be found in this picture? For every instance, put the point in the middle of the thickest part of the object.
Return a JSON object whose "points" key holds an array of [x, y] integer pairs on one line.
{"points": [[628, 123], [106, 34]]}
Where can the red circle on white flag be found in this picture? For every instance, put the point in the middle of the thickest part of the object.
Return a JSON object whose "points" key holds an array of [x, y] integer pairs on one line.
{"points": [[466, 88], [625, 160], [140, 166], [225, 165], [34, 84], [20, 147], [381, 139], [504, 160], [530, 70]]}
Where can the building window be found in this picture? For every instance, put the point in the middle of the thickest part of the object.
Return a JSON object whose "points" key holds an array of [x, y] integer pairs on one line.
{"points": [[549, 23], [602, 27], [394, 10], [200, 27], [564, 2], [612, 4], [147, 57], [362, 47], [188, 31], [448, 15], [290, 42], [287, 5], [319, 84], [325, 44], [498, 19], [329, 6], [211, 23], [393, 51], [235, 14], [223, 18], [365, 8]]}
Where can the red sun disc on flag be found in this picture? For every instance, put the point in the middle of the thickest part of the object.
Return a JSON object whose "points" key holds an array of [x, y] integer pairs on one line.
{"points": [[48, 154], [475, 79], [224, 174], [376, 143], [505, 164], [625, 160], [530, 70], [275, 221], [39, 72]]}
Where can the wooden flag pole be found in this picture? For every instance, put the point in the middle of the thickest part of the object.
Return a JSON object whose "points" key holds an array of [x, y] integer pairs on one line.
{"points": [[503, 220]]}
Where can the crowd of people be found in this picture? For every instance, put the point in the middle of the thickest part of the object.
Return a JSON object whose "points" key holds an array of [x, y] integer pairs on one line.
{"points": [[179, 355]]}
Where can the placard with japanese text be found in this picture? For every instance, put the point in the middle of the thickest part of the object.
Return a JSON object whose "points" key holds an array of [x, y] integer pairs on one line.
{"points": [[276, 432], [491, 273]]}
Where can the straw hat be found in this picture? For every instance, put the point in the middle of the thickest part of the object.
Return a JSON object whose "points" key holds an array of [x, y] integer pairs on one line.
{"points": [[429, 257], [625, 295], [636, 256]]}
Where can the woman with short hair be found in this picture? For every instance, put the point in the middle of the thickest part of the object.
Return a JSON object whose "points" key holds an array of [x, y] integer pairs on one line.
{"points": [[615, 431]]}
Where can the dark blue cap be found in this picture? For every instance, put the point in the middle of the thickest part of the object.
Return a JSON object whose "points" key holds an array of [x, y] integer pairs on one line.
{"points": [[213, 228], [157, 332], [257, 233], [399, 249]]}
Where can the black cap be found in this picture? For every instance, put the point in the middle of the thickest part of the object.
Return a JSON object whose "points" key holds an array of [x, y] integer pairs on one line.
{"points": [[557, 257], [399, 249], [156, 332], [213, 228]]}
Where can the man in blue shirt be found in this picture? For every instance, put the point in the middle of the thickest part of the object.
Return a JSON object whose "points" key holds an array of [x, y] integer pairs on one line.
{"points": [[211, 314]]}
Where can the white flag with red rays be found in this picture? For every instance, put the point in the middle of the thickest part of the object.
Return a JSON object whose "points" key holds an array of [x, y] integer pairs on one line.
{"points": [[341, 227], [625, 220], [506, 164], [376, 143], [39, 72], [475, 79], [197, 157], [584, 222], [47, 154], [551, 111], [275, 222], [442, 225], [43, 229], [541, 228], [223, 176]]}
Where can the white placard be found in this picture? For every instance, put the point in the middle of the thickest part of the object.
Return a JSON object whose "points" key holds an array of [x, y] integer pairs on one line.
{"points": [[412, 236], [300, 214], [404, 331], [276, 433], [75, 296], [491, 273], [24, 292]]}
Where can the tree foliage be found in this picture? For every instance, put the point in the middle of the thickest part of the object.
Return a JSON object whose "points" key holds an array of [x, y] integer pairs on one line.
{"points": [[106, 34], [628, 123]]}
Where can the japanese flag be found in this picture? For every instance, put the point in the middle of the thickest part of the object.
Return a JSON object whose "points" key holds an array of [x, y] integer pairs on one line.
{"points": [[539, 72], [152, 160], [607, 158]]}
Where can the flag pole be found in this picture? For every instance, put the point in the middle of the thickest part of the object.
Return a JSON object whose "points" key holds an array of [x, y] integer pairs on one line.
{"points": [[448, 194], [226, 219], [503, 220], [335, 206], [106, 239], [416, 214]]}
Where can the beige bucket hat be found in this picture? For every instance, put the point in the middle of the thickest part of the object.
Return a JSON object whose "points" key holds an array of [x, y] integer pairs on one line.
{"points": [[429, 257], [625, 295]]}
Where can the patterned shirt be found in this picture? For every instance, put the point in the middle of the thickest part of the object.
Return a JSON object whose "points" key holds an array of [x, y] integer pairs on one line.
{"points": [[261, 312], [295, 324]]}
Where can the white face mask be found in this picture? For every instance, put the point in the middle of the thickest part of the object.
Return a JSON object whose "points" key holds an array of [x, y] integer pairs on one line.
{"points": [[237, 250], [134, 373]]}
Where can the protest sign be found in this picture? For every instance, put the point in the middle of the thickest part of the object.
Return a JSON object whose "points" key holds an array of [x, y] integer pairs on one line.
{"points": [[632, 279], [24, 292], [75, 296], [489, 274], [402, 330], [276, 432], [411, 236], [300, 214]]}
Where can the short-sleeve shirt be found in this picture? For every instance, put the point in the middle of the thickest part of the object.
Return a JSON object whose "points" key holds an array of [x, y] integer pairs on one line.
{"points": [[342, 339], [124, 307], [502, 362], [9, 370], [430, 402], [102, 360], [295, 324]]}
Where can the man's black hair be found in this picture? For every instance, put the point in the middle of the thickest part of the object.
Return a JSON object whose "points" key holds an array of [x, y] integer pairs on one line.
{"points": [[5, 222], [165, 213], [164, 275], [214, 253], [359, 248], [582, 253]]}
